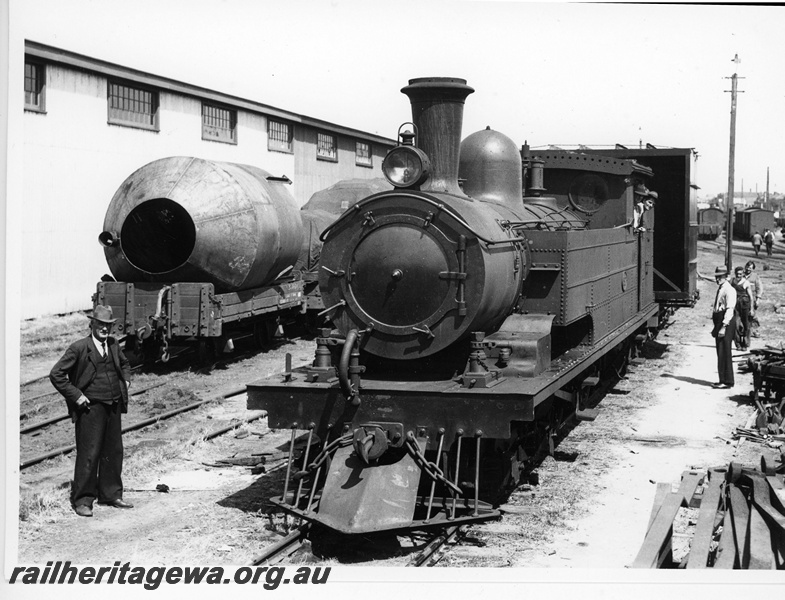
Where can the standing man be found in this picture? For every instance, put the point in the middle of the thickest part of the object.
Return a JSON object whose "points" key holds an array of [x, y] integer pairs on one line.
{"points": [[93, 375], [724, 327], [745, 311], [757, 292], [768, 239], [757, 242]]}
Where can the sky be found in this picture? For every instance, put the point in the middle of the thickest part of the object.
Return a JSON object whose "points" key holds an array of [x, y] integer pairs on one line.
{"points": [[546, 73]]}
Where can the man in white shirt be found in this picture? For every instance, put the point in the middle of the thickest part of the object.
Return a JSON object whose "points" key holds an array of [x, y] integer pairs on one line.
{"points": [[724, 327]]}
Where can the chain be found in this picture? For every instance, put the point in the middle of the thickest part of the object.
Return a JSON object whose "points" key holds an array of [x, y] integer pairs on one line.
{"points": [[431, 469], [334, 445], [165, 350]]}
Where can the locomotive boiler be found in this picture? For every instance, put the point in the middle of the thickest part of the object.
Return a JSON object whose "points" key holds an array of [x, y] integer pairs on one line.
{"points": [[197, 247], [472, 313]]}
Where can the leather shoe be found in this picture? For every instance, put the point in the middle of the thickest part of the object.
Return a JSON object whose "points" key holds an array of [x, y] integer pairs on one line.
{"points": [[119, 503], [83, 510]]}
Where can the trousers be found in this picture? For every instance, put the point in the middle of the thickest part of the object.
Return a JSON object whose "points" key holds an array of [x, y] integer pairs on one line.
{"points": [[743, 333], [724, 348], [99, 455]]}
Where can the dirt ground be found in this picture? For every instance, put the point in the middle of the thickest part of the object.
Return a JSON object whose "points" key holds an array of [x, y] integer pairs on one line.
{"points": [[590, 509]]}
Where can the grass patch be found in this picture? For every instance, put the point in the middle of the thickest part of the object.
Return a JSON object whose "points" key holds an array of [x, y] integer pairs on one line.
{"points": [[45, 505], [51, 334], [146, 462]]}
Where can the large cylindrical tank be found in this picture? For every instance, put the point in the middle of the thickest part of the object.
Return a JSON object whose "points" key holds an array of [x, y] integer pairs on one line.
{"points": [[314, 223], [187, 219], [341, 196]]}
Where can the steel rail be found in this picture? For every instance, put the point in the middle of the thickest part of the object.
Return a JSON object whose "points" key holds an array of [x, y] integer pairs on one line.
{"points": [[283, 548], [231, 427], [58, 418], [428, 556], [139, 425]]}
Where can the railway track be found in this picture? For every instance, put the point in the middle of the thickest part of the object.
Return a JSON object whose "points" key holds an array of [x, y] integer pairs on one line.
{"points": [[61, 417], [42, 439], [284, 548], [297, 541], [146, 422], [437, 547]]}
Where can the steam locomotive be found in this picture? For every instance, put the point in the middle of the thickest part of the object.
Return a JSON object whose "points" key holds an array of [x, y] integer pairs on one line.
{"points": [[473, 313], [204, 251]]}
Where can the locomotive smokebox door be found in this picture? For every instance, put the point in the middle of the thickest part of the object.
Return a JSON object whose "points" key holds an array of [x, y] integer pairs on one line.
{"points": [[360, 499]]}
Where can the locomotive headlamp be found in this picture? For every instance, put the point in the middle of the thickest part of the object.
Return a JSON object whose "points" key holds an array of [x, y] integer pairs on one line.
{"points": [[406, 166]]}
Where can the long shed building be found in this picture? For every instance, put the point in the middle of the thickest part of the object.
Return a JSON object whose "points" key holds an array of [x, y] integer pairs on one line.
{"points": [[88, 124]]}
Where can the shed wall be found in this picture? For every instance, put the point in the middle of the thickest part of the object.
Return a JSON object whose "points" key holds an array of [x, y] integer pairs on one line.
{"points": [[74, 161]]}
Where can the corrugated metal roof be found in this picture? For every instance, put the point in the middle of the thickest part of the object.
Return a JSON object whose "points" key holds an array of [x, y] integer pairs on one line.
{"points": [[94, 65]]}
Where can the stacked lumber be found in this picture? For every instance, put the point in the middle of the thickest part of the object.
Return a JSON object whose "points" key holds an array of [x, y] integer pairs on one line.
{"points": [[740, 524], [758, 436]]}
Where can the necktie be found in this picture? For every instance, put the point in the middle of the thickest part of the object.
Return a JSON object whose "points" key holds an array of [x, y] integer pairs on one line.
{"points": [[103, 348]]}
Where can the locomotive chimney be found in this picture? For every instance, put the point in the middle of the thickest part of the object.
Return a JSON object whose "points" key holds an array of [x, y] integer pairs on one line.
{"points": [[437, 112]]}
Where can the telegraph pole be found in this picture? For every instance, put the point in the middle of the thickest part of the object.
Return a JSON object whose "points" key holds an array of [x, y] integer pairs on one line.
{"points": [[767, 189], [731, 166]]}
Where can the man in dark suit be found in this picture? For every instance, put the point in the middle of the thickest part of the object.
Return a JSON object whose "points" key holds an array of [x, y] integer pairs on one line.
{"points": [[93, 376]]}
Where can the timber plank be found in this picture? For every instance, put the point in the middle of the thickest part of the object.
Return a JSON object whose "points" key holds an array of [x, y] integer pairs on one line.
{"points": [[701, 541], [727, 557], [657, 543], [740, 516]]}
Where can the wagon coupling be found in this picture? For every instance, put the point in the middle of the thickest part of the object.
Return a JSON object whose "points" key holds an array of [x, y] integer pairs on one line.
{"points": [[370, 442]]}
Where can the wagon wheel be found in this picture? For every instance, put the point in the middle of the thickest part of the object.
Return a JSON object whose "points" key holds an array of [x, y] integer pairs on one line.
{"points": [[206, 354], [263, 332], [133, 351], [149, 351]]}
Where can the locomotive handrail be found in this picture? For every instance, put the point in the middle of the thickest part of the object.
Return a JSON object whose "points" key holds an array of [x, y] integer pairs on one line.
{"points": [[556, 224], [442, 207]]}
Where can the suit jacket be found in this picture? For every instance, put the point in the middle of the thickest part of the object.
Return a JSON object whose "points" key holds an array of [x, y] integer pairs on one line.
{"points": [[77, 369]]}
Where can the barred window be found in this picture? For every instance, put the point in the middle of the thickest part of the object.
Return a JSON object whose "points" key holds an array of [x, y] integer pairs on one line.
{"points": [[326, 147], [133, 106], [362, 155], [34, 86], [279, 136], [219, 124]]}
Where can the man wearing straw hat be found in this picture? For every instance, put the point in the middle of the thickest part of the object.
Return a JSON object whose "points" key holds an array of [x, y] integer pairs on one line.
{"points": [[724, 327], [93, 376]]}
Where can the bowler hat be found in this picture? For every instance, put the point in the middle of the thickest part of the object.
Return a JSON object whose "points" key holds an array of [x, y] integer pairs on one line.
{"points": [[103, 314], [721, 271]]}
